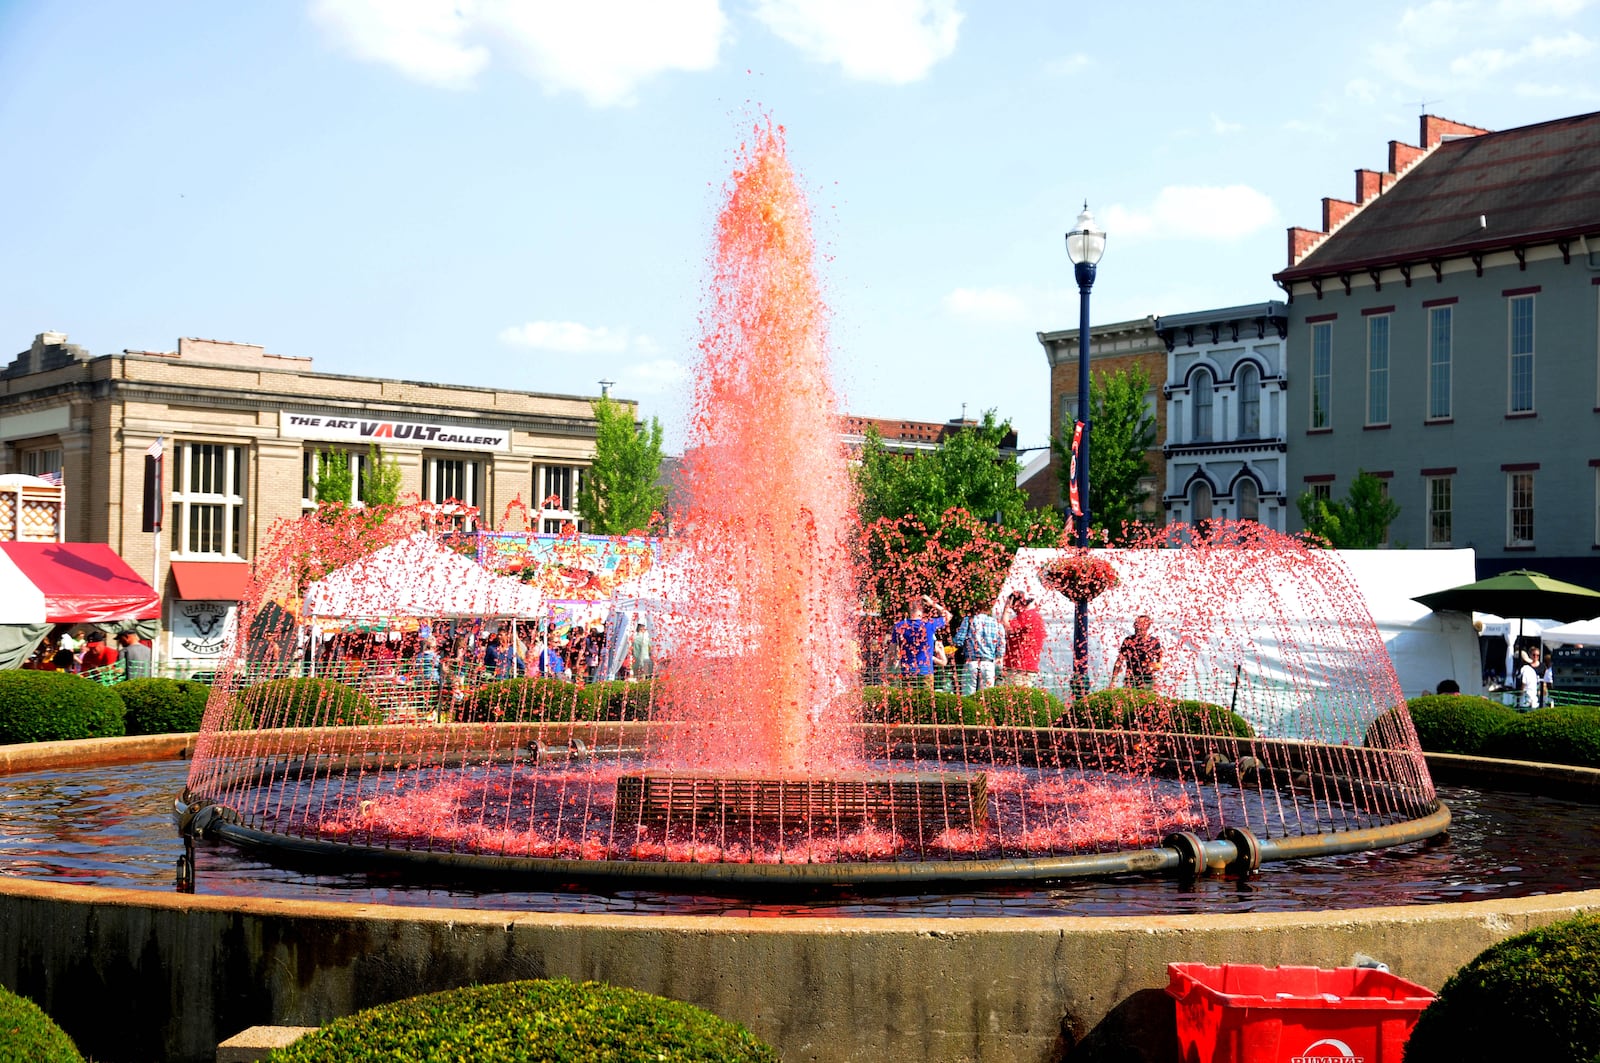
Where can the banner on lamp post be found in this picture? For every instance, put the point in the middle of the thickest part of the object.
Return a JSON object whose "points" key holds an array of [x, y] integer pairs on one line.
{"points": [[152, 488], [1072, 482]]}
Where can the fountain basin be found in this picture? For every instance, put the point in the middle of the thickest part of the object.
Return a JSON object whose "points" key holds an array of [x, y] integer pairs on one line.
{"points": [[136, 975]]}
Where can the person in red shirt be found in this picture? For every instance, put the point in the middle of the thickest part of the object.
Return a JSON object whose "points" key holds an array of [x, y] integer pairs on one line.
{"points": [[1024, 640], [97, 653]]}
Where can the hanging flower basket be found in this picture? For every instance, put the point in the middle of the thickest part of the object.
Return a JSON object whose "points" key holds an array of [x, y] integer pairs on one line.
{"points": [[1079, 576]]}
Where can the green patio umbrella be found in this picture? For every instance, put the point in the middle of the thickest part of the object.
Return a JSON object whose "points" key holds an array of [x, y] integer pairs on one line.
{"points": [[1519, 593]]}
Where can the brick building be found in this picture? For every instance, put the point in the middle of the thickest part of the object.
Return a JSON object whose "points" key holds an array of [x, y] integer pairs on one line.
{"points": [[1113, 348], [1444, 335], [243, 433]]}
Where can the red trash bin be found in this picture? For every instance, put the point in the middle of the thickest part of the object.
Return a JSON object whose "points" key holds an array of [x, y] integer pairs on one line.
{"points": [[1245, 1013]]}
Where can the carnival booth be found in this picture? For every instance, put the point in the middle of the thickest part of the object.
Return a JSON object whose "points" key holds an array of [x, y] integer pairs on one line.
{"points": [[44, 584]]}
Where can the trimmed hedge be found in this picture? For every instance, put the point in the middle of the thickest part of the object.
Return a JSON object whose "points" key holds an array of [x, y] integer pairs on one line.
{"points": [[307, 701], [1446, 723], [1009, 706], [1535, 996], [27, 1034], [514, 700], [918, 704], [617, 699], [1133, 709], [56, 707], [1562, 735], [163, 706], [531, 1022]]}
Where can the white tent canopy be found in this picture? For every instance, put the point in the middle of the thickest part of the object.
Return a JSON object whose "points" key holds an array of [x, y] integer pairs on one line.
{"points": [[1582, 633], [417, 577]]}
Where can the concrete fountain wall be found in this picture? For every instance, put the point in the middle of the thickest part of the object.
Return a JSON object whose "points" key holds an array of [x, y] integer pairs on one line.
{"points": [[137, 976]]}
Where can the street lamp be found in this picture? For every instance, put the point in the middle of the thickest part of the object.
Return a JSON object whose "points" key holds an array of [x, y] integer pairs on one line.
{"points": [[1085, 245]]}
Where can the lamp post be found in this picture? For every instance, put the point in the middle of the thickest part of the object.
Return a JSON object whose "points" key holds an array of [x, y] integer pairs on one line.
{"points": [[1085, 245]]}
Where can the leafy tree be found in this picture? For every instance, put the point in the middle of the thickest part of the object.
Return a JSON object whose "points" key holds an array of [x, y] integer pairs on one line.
{"points": [[1359, 522], [619, 493], [335, 479], [1122, 431], [945, 522], [382, 488]]}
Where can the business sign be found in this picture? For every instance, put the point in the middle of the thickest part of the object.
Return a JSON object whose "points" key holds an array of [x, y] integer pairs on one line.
{"points": [[570, 568], [202, 630], [387, 433]]}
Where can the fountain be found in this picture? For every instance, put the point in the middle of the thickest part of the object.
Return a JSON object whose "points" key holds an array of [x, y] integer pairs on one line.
{"points": [[760, 759]]}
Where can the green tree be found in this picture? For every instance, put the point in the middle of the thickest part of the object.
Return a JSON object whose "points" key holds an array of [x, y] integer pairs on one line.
{"points": [[382, 486], [1359, 522], [335, 480], [1122, 431], [967, 471], [619, 493]]}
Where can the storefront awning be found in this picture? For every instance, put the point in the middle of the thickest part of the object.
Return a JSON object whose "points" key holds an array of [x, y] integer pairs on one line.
{"points": [[216, 581], [71, 583]]}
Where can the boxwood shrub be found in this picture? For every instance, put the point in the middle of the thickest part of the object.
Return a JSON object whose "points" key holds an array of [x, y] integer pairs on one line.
{"points": [[531, 1022], [1561, 735], [1533, 996], [56, 707], [27, 1034], [163, 706], [1446, 723], [514, 700], [304, 701], [1009, 706], [1132, 709], [918, 704]]}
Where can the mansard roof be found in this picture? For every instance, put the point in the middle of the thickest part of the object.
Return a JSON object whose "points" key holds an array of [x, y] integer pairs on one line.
{"points": [[1492, 191]]}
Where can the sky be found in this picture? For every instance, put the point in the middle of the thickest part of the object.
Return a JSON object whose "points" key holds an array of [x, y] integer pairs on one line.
{"points": [[521, 194]]}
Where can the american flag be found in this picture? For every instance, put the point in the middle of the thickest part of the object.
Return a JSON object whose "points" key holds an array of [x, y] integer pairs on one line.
{"points": [[51, 478]]}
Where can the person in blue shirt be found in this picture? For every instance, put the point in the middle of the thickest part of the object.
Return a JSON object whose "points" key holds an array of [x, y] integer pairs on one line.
{"points": [[914, 641]]}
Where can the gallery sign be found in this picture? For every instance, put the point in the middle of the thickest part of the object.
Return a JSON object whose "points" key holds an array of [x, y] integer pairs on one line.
{"points": [[387, 433]]}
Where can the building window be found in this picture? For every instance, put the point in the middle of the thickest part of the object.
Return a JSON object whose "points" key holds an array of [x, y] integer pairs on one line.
{"points": [[557, 490], [311, 464], [1519, 509], [1441, 529], [1069, 413], [1322, 492], [1203, 394], [208, 499], [1521, 347], [1249, 389], [1199, 502], [1321, 374], [453, 480], [43, 461], [1439, 326], [1248, 497], [1378, 369]]}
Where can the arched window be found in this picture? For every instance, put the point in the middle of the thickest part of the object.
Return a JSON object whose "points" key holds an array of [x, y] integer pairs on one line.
{"points": [[1199, 502], [1248, 496], [1249, 403], [1202, 390]]}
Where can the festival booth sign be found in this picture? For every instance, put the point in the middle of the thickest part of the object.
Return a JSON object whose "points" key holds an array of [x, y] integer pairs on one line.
{"points": [[578, 576], [42, 584], [204, 616]]}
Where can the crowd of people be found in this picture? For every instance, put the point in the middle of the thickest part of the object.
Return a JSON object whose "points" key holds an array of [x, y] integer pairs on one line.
{"points": [[72, 649], [984, 649]]}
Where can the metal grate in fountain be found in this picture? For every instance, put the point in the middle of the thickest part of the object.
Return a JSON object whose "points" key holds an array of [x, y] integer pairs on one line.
{"points": [[916, 803]]}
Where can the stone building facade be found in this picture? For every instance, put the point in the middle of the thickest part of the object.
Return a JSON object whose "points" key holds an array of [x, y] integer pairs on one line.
{"points": [[243, 432]]}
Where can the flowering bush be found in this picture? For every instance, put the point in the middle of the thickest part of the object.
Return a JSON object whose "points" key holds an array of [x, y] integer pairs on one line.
{"points": [[1079, 576]]}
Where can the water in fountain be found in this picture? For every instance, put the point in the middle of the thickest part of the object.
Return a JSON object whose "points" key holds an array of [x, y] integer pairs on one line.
{"points": [[757, 743]]}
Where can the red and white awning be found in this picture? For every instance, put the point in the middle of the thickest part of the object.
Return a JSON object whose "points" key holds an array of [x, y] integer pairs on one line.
{"points": [[71, 583]]}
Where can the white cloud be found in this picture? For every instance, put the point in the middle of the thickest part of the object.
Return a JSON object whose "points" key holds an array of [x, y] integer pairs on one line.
{"points": [[1189, 212], [1449, 48], [1569, 45], [652, 378], [601, 51], [991, 305], [892, 41], [1068, 65], [421, 38], [1222, 127], [569, 337]]}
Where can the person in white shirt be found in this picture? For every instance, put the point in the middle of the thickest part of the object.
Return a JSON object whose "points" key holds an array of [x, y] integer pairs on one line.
{"points": [[1528, 679]]}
